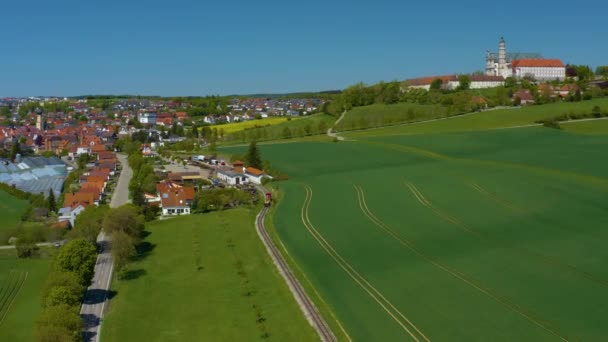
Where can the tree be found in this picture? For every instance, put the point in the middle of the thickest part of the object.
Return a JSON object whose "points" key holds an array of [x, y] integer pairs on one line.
{"points": [[464, 82], [602, 70], [510, 82], [436, 84], [123, 249], [253, 158], [125, 219], [78, 256], [15, 149], [88, 223], [59, 279], [52, 204], [60, 323], [26, 247]]}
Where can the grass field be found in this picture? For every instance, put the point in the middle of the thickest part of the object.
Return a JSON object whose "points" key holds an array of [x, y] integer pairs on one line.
{"points": [[11, 209], [587, 127], [381, 115], [470, 236], [206, 278], [500, 118], [239, 126], [300, 127], [20, 284]]}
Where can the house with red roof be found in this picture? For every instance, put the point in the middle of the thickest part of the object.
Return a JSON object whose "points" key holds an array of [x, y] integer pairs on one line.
{"points": [[539, 69]]}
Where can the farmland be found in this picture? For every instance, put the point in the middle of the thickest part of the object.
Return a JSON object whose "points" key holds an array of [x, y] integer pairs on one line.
{"points": [[239, 126], [20, 284], [587, 127], [316, 124], [12, 209], [493, 119], [202, 278], [489, 235]]}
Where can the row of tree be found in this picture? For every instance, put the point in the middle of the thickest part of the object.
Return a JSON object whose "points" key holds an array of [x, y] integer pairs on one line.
{"points": [[71, 272]]}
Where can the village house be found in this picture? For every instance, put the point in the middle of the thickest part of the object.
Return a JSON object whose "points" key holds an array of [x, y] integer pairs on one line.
{"points": [[174, 198]]}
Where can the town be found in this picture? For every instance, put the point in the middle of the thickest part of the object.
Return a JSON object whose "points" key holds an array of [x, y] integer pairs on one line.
{"points": [[170, 207]]}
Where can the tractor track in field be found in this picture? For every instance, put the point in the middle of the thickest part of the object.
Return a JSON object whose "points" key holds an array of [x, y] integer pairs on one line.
{"points": [[525, 313], [12, 290], [498, 242], [376, 295], [307, 306]]}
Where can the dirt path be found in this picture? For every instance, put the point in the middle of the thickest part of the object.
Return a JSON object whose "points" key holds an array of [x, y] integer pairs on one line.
{"points": [[306, 305]]}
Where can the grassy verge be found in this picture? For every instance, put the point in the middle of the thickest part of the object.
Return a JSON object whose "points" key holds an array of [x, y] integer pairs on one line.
{"points": [[592, 127]]}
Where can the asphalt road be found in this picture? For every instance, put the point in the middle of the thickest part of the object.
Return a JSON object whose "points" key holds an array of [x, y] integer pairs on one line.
{"points": [[98, 293]]}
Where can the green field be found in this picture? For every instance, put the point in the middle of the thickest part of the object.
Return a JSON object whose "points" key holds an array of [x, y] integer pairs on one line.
{"points": [[206, 278], [20, 283], [296, 128], [11, 209], [491, 235], [381, 115], [238, 126], [493, 119], [587, 127]]}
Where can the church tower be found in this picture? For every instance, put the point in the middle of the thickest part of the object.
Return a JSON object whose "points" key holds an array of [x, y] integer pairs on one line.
{"points": [[39, 121], [502, 53]]}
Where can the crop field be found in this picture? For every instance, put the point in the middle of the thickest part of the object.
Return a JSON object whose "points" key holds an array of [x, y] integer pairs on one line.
{"points": [[11, 209], [300, 127], [204, 278], [587, 127], [382, 115], [239, 126], [478, 236], [493, 119], [20, 284]]}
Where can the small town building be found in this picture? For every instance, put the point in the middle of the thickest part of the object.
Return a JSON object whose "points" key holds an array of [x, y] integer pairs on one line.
{"points": [[232, 177], [174, 198]]}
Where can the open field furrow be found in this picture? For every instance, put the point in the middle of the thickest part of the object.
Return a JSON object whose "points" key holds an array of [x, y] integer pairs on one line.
{"points": [[376, 295], [518, 309], [7, 306], [494, 197], [549, 260], [8, 287]]}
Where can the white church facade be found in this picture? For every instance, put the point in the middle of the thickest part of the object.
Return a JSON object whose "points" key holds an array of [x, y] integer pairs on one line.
{"points": [[520, 65]]}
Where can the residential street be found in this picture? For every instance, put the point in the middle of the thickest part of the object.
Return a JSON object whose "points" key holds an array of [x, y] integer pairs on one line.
{"points": [[95, 298]]}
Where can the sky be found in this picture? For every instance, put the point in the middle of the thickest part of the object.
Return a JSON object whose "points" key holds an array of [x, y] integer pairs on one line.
{"points": [[197, 48]]}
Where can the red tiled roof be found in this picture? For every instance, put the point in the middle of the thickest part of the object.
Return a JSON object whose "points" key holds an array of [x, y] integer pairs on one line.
{"points": [[544, 63], [254, 171], [429, 80]]}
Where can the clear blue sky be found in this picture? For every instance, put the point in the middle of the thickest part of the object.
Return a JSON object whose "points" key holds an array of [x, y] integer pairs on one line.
{"points": [[225, 47]]}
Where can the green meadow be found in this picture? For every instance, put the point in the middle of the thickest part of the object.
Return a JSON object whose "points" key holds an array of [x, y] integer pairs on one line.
{"points": [[204, 278], [468, 236], [12, 209], [20, 302]]}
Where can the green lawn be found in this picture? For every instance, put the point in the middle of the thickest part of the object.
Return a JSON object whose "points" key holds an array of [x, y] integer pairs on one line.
{"points": [[206, 278], [382, 115], [586, 127], [466, 236], [20, 283], [12, 209], [500, 118]]}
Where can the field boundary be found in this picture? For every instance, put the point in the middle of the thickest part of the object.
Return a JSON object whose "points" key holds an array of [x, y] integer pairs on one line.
{"points": [[456, 274], [356, 276], [498, 242]]}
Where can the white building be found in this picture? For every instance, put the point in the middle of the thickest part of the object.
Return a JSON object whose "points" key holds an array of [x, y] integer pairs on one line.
{"points": [[147, 118], [231, 177], [69, 214], [522, 65], [539, 69], [255, 176], [486, 81]]}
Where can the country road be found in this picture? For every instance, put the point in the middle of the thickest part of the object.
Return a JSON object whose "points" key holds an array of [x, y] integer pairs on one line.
{"points": [[298, 292], [93, 306]]}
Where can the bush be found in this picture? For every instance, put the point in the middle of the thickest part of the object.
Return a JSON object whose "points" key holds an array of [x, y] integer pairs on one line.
{"points": [[552, 124], [26, 249]]}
